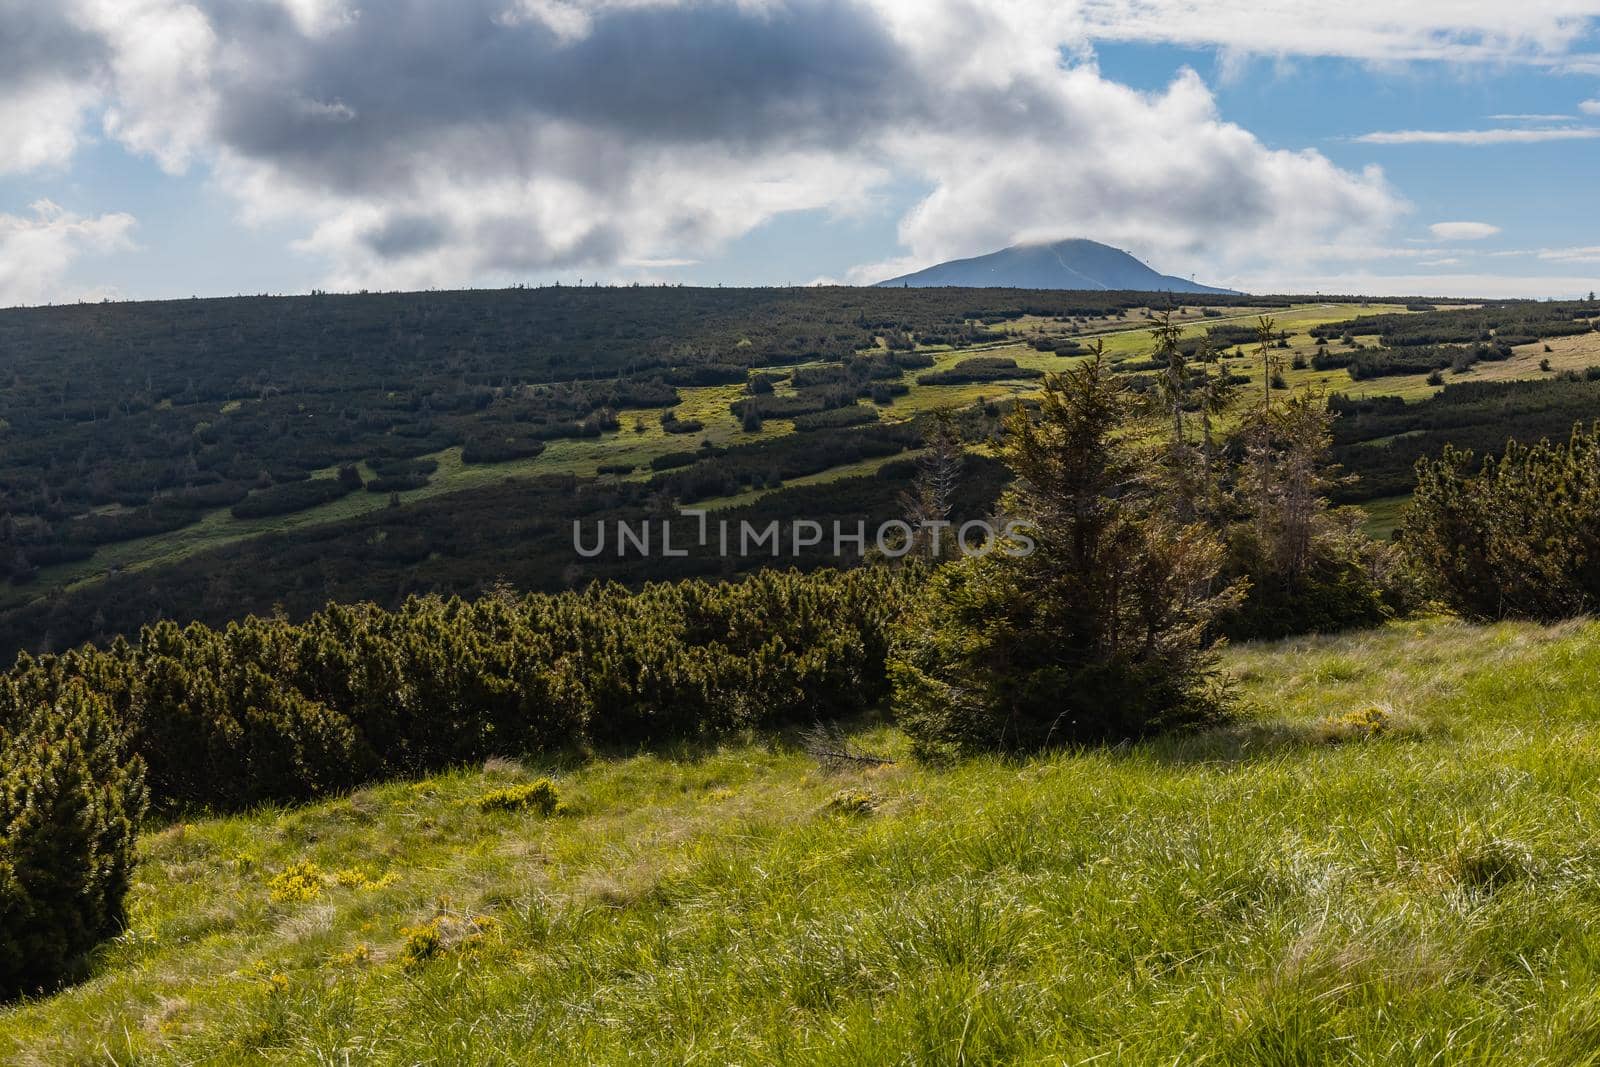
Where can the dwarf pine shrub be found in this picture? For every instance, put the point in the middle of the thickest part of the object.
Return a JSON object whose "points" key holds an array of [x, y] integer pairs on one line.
{"points": [[71, 799], [268, 710], [1518, 536]]}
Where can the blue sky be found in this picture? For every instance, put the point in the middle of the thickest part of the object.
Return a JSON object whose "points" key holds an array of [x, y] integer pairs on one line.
{"points": [[156, 148], [1540, 195]]}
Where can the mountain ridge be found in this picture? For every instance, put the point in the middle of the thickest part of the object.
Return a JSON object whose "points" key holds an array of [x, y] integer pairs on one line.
{"points": [[1076, 264]]}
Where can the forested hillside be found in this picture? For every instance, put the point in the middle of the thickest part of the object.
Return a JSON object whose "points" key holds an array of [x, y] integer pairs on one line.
{"points": [[141, 434], [123, 419], [206, 459]]}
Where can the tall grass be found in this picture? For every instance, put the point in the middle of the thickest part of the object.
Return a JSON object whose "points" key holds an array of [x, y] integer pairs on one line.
{"points": [[1276, 892]]}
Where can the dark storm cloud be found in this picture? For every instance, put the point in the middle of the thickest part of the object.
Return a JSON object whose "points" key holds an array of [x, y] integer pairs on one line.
{"points": [[355, 106], [509, 247], [38, 40], [515, 248], [407, 235]]}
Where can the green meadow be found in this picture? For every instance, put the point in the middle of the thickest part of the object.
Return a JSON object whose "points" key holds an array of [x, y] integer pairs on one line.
{"points": [[1394, 857]]}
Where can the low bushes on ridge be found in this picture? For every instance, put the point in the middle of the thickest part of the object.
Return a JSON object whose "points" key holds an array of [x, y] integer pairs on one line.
{"points": [[1518, 536], [270, 710], [71, 799]]}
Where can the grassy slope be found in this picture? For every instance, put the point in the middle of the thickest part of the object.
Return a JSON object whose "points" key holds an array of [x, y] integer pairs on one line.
{"points": [[1254, 895], [1384, 515]]}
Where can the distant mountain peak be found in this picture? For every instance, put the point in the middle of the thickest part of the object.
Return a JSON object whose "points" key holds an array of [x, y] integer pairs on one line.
{"points": [[1074, 263]]}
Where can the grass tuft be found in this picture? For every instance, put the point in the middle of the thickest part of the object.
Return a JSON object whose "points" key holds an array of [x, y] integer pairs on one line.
{"points": [[1362, 724], [851, 802], [1486, 864]]}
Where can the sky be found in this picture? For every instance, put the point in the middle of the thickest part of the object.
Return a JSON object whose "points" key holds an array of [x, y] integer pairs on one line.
{"points": [[169, 148]]}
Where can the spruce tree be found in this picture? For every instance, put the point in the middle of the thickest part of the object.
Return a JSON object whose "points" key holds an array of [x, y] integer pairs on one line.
{"points": [[1101, 632]]}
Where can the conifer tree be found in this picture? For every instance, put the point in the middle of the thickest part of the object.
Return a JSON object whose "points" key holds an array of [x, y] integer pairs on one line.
{"points": [[1101, 631], [927, 504], [1216, 396], [1308, 565]]}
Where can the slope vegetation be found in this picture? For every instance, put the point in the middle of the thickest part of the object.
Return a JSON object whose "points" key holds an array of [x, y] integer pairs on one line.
{"points": [[1393, 861]]}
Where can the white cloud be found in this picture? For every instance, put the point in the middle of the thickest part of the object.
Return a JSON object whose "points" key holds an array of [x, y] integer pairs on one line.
{"points": [[477, 141], [1590, 107], [488, 139], [1544, 32], [1462, 231], [37, 251], [1590, 254], [1506, 286], [1531, 118], [161, 54], [1212, 198], [1481, 137], [40, 124]]}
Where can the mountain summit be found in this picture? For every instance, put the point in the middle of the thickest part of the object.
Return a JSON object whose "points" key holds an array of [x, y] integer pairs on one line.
{"points": [[1072, 264]]}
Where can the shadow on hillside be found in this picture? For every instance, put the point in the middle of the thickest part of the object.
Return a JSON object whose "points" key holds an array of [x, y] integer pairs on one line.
{"points": [[784, 739], [1244, 741], [1251, 739]]}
